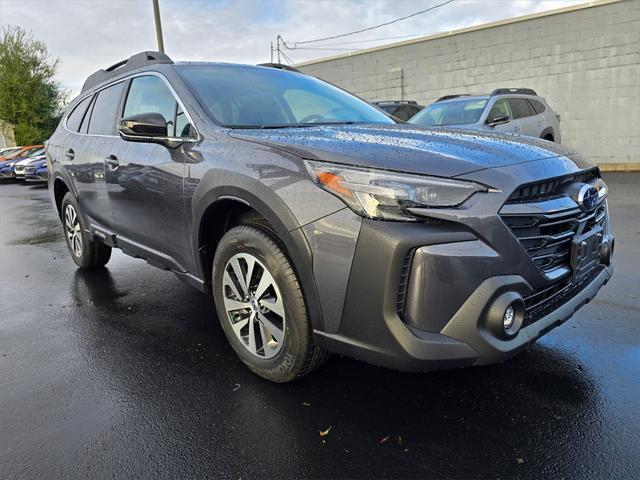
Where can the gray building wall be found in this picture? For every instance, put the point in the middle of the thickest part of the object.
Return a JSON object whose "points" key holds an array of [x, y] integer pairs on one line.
{"points": [[584, 60]]}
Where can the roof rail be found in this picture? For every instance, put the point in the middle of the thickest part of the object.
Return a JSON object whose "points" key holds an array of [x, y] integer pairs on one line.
{"points": [[279, 66], [517, 91], [449, 97], [404, 102], [135, 61]]}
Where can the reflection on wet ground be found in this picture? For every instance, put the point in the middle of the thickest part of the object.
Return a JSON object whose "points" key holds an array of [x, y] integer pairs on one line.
{"points": [[125, 372]]}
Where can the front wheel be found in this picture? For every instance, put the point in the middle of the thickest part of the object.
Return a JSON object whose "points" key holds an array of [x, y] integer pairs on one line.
{"points": [[86, 253], [261, 306]]}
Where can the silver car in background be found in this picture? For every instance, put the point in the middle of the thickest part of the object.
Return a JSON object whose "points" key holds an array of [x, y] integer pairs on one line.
{"points": [[19, 168], [508, 110]]}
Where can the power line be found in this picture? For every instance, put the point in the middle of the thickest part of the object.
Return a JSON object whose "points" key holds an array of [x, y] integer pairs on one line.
{"points": [[379, 39], [295, 44]]}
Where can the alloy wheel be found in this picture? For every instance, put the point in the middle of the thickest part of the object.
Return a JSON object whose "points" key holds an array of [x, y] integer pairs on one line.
{"points": [[254, 305], [72, 229]]}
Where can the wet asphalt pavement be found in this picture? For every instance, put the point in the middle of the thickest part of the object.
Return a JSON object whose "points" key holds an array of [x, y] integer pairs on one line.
{"points": [[125, 373]]}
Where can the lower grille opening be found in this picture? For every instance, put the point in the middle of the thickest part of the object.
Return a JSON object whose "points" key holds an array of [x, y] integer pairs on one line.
{"points": [[544, 301]]}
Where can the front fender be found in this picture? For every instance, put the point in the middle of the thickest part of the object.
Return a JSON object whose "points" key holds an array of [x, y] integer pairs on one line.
{"points": [[218, 185]]}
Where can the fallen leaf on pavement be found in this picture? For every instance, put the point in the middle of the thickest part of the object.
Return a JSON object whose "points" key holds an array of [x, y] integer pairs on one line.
{"points": [[324, 433]]}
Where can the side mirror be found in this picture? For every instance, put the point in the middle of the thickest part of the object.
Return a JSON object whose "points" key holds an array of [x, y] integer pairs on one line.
{"points": [[147, 127], [498, 121], [143, 125]]}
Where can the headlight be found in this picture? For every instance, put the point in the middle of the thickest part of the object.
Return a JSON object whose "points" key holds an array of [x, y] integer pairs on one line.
{"points": [[387, 195]]}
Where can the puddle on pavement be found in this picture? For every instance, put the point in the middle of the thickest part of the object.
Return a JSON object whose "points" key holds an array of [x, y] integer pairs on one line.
{"points": [[38, 238]]}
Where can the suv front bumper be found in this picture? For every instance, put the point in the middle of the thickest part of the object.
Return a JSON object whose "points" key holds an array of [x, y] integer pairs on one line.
{"points": [[419, 296]]}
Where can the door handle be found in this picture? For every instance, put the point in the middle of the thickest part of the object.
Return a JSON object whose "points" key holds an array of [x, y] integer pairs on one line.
{"points": [[112, 162], [69, 154]]}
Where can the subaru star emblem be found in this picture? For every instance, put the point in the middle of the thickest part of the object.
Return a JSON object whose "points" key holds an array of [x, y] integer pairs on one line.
{"points": [[587, 197]]}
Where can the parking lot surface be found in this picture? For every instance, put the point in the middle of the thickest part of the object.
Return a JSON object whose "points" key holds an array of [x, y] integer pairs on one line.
{"points": [[125, 372]]}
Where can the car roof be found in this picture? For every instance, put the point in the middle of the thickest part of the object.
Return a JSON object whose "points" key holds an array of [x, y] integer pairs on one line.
{"points": [[487, 97]]}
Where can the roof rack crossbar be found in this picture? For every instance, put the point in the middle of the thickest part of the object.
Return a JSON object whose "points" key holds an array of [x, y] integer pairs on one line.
{"points": [[515, 91], [135, 61]]}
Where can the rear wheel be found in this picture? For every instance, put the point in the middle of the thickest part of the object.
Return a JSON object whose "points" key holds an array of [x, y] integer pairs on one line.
{"points": [[261, 306], [85, 252]]}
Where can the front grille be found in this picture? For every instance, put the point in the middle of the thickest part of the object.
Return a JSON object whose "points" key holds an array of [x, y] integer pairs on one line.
{"points": [[29, 170], [19, 169], [548, 299], [547, 238], [549, 188]]}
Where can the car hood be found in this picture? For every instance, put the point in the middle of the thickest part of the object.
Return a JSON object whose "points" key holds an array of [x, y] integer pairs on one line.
{"points": [[30, 160], [440, 151], [39, 163]]}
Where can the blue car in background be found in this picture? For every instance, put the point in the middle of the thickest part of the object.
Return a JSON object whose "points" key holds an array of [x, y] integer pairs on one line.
{"points": [[8, 168], [37, 172]]}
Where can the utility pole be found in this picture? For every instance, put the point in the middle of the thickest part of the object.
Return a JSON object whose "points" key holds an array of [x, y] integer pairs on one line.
{"points": [[271, 52], [278, 41], [156, 16]]}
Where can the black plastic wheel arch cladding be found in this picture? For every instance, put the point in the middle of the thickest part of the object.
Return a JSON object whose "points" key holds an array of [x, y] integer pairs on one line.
{"points": [[274, 211]]}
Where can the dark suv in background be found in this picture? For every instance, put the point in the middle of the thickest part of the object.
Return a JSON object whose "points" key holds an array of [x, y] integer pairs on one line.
{"points": [[401, 109], [320, 225]]}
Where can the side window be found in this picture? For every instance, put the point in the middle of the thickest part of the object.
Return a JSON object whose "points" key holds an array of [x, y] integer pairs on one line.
{"points": [[103, 115], [149, 94], [538, 107], [500, 109], [519, 107], [183, 127], [75, 118], [84, 126]]}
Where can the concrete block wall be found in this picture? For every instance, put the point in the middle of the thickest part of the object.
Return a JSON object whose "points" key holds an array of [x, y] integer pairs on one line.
{"points": [[584, 60]]}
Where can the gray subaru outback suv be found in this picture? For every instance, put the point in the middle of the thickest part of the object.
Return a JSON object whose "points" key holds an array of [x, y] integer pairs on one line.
{"points": [[319, 224], [505, 110]]}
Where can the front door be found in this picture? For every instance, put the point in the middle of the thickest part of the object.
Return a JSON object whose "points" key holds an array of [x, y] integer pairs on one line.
{"points": [[145, 180], [501, 108]]}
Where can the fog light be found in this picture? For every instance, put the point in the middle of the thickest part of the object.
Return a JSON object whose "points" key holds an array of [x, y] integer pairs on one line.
{"points": [[508, 319], [506, 315]]}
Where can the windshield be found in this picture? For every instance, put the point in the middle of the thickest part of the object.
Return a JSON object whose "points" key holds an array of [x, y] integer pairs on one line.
{"points": [[457, 112], [259, 97], [7, 151], [35, 153]]}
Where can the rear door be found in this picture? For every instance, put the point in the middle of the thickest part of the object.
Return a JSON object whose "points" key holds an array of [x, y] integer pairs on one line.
{"points": [[541, 119], [524, 113], [145, 180], [92, 135]]}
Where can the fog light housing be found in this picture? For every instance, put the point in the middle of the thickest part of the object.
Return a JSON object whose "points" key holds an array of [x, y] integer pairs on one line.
{"points": [[505, 315]]}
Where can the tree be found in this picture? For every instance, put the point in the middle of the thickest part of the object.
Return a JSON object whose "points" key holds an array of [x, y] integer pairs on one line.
{"points": [[31, 99]]}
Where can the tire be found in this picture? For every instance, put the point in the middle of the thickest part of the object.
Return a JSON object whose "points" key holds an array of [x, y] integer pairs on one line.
{"points": [[273, 305], [87, 254]]}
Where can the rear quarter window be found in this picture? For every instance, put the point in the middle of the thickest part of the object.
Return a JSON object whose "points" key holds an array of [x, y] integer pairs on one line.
{"points": [[75, 118], [538, 107]]}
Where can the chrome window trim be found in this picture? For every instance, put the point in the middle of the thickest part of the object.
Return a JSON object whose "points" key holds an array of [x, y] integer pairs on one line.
{"points": [[130, 77]]}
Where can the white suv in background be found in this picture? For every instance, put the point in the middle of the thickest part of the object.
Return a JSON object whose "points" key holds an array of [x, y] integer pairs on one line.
{"points": [[508, 110]]}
